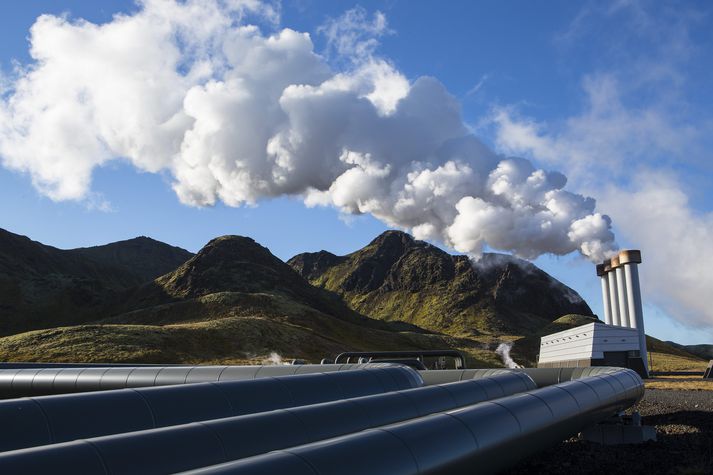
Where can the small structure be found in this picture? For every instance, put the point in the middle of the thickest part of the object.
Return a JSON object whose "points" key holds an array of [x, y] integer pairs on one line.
{"points": [[594, 344], [621, 340]]}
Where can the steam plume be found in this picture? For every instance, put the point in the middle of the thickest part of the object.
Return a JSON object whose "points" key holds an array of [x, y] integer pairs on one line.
{"points": [[238, 116], [274, 359], [503, 350]]}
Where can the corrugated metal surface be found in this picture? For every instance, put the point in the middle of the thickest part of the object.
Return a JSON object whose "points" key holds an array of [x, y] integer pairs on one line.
{"points": [[374, 419]]}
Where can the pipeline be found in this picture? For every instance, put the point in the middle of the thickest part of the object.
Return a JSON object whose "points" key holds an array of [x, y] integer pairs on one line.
{"points": [[216, 441], [53, 419], [486, 437], [541, 376], [42, 381]]}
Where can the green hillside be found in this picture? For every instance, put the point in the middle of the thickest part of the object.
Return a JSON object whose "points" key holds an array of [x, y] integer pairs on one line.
{"points": [[398, 278]]}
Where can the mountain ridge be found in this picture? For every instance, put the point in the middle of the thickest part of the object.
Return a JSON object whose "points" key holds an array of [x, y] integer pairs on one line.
{"points": [[396, 277], [41, 284], [235, 302]]}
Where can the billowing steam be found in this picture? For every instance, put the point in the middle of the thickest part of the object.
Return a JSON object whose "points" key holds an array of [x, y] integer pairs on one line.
{"points": [[238, 116], [503, 350], [274, 359]]}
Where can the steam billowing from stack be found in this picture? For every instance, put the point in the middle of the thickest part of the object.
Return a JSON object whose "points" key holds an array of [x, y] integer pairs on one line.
{"points": [[621, 294], [234, 115]]}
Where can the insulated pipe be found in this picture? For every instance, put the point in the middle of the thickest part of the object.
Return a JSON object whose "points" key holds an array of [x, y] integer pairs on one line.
{"points": [[541, 376], [42, 381], [622, 295], [486, 437], [52, 419], [218, 441], [613, 293], [605, 293], [630, 261]]}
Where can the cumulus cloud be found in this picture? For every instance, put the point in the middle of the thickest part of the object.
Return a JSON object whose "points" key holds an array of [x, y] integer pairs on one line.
{"points": [[656, 214], [237, 115], [643, 159]]}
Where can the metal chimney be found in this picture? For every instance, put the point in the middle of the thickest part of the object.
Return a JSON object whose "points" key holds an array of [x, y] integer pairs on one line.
{"points": [[618, 269], [603, 277], [630, 261], [613, 292]]}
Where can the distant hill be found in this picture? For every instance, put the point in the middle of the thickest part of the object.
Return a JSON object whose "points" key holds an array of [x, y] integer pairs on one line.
{"points": [[43, 286], [702, 351], [234, 302], [396, 277], [230, 302], [143, 257]]}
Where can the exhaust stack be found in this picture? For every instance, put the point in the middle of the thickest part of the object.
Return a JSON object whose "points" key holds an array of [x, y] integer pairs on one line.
{"points": [[621, 295], [604, 277]]}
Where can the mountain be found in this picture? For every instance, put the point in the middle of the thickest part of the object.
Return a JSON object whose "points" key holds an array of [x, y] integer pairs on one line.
{"points": [[143, 257], [233, 265], [44, 286], [143, 301], [231, 302], [702, 351], [396, 277]]}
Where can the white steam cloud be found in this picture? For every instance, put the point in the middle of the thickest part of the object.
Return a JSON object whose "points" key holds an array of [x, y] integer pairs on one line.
{"points": [[503, 350], [237, 116]]}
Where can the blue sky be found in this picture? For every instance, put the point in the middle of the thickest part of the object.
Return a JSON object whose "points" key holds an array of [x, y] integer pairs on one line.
{"points": [[615, 95]]}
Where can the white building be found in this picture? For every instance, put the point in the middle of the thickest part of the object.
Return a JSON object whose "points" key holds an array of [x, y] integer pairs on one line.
{"points": [[618, 342]]}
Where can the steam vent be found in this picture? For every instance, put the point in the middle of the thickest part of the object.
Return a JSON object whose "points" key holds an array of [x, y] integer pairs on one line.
{"points": [[620, 340]]}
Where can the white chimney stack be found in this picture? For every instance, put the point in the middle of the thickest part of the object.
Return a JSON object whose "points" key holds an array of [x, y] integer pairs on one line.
{"points": [[603, 276], [629, 261], [621, 295], [621, 292], [613, 294]]}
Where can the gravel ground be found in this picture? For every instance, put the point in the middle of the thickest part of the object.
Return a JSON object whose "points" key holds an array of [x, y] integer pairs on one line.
{"points": [[684, 426]]}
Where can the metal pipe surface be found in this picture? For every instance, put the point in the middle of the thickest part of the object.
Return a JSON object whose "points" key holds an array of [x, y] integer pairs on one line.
{"points": [[541, 376], [42, 381], [53, 419], [234, 438], [485, 437]]}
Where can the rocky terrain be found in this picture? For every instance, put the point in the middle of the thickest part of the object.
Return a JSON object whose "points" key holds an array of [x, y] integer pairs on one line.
{"points": [[42, 286], [396, 277], [234, 301], [684, 426]]}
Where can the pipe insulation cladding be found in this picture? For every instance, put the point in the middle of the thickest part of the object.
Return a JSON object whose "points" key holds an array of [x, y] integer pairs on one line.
{"points": [[387, 433], [52, 419], [221, 440], [541, 376], [53, 380], [486, 437]]}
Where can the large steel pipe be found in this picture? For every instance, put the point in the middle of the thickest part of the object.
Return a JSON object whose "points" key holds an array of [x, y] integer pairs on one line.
{"points": [[541, 376], [42, 381], [217, 441], [483, 438], [52, 419]]}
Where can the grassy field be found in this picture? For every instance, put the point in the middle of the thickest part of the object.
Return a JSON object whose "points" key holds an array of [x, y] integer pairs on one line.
{"points": [[670, 362], [680, 382]]}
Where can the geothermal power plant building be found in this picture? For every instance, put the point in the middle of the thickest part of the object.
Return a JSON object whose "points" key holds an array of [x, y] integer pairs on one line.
{"points": [[620, 340]]}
